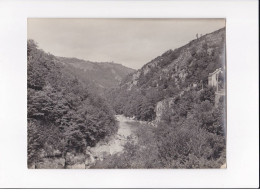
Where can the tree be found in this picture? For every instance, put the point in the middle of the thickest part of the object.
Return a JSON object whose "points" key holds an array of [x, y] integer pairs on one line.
{"points": [[63, 113]]}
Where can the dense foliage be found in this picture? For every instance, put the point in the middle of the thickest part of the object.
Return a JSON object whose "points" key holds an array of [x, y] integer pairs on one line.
{"points": [[104, 75], [133, 103], [169, 75], [191, 131], [190, 135], [64, 114]]}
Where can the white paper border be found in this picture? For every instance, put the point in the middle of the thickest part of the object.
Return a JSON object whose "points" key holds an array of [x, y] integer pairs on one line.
{"points": [[242, 95]]}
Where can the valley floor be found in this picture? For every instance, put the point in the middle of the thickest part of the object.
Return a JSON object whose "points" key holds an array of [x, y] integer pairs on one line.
{"points": [[127, 148], [115, 144], [134, 146]]}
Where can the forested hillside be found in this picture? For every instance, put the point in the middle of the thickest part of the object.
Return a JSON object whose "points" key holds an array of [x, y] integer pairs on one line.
{"points": [[169, 75], [177, 111], [172, 91], [65, 115], [104, 75]]}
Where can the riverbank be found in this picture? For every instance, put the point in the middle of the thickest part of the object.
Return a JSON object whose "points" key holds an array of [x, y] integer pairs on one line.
{"points": [[136, 145], [109, 146]]}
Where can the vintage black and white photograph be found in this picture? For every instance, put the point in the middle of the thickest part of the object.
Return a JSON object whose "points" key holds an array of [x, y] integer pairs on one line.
{"points": [[126, 93]]}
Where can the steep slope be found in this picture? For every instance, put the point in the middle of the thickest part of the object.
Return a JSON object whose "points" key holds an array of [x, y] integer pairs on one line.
{"points": [[105, 75], [173, 92], [170, 75], [64, 115]]}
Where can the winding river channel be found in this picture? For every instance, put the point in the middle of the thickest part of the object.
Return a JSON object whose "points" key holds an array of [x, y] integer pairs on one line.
{"points": [[115, 144]]}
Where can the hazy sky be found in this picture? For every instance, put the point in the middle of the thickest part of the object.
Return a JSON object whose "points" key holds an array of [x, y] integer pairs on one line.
{"points": [[131, 42]]}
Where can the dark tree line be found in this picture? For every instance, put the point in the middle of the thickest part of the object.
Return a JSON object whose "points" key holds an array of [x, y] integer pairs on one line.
{"points": [[64, 114], [190, 135]]}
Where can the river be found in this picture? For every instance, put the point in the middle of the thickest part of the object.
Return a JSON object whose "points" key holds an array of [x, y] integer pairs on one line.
{"points": [[115, 144]]}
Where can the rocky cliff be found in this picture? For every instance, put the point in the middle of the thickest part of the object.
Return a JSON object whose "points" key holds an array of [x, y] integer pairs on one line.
{"points": [[170, 75]]}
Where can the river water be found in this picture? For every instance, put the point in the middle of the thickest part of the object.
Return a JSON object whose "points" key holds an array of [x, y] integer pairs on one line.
{"points": [[115, 144]]}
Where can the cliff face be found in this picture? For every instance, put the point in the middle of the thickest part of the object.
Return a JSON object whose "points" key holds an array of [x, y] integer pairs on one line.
{"points": [[163, 106], [179, 65], [170, 75]]}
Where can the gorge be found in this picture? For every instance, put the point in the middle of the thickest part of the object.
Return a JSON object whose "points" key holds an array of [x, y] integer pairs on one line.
{"points": [[84, 114]]}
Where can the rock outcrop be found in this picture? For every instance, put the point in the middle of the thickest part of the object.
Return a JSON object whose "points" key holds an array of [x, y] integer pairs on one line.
{"points": [[51, 163], [162, 107], [70, 161], [169, 75]]}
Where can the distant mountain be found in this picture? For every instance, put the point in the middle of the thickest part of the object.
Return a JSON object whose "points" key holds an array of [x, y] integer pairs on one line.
{"points": [[170, 75], [104, 75]]}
